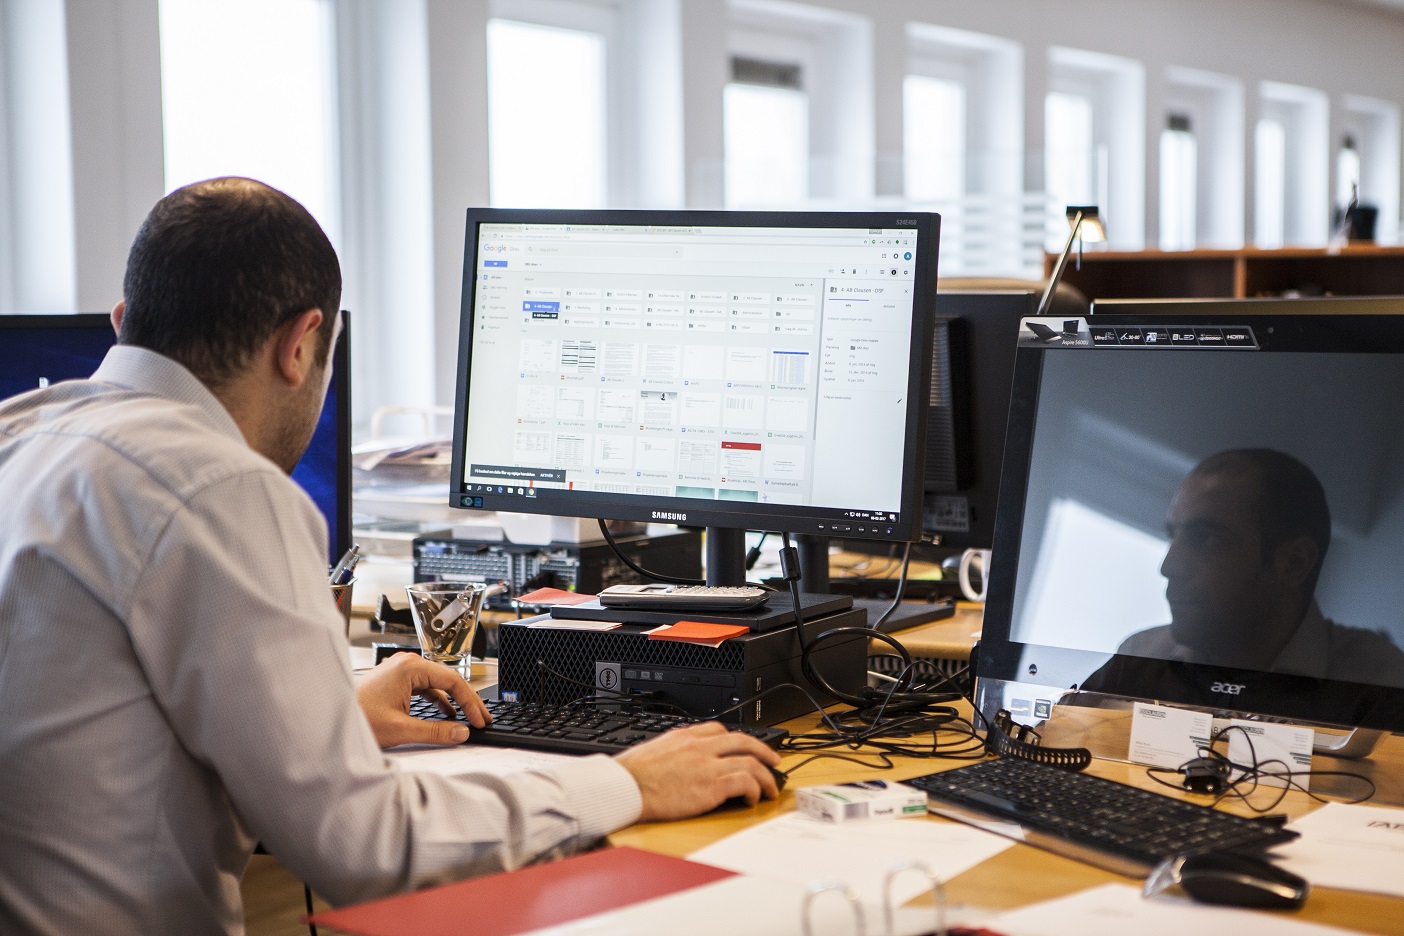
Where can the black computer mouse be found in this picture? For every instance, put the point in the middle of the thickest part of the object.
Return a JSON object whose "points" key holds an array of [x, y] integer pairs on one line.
{"points": [[1238, 881]]}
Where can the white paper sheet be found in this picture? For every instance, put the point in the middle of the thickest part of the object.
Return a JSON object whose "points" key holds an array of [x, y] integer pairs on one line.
{"points": [[746, 905], [1118, 910], [801, 850], [471, 758], [1350, 847]]}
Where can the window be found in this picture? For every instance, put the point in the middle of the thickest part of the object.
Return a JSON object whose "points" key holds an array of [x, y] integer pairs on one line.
{"points": [[1347, 172], [766, 135], [1179, 157], [1297, 162], [1270, 185], [933, 145], [1070, 153], [1372, 125], [247, 89], [1202, 152], [1095, 142], [38, 271], [546, 116], [797, 111]]}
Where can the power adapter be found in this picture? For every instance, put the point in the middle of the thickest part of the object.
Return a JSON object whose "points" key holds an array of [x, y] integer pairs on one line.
{"points": [[1207, 775]]}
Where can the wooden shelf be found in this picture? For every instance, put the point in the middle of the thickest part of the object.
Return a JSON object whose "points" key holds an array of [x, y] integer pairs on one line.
{"points": [[1364, 270]]}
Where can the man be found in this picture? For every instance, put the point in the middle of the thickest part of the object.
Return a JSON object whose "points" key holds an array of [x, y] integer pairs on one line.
{"points": [[173, 680], [1249, 530]]}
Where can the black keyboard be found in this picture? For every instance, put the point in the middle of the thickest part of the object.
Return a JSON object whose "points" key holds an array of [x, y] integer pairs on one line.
{"points": [[576, 728], [1111, 825]]}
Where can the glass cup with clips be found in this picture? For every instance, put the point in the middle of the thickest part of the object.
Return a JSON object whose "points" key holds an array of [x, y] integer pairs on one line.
{"points": [[446, 618]]}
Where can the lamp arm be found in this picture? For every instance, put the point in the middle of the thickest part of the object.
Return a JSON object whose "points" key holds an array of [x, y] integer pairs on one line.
{"points": [[1057, 275]]}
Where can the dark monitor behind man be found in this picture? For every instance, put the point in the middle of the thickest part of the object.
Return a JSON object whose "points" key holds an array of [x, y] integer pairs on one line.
{"points": [[1249, 530], [173, 673]]}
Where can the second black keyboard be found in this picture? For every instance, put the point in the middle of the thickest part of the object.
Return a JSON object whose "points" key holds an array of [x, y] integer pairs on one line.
{"points": [[576, 728], [1108, 824]]}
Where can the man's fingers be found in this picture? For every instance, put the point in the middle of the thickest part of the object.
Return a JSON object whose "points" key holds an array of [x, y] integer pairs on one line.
{"points": [[730, 743], [446, 680], [412, 730]]}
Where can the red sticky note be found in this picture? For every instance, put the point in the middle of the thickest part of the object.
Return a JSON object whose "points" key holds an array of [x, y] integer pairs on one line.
{"points": [[699, 632], [554, 596]]}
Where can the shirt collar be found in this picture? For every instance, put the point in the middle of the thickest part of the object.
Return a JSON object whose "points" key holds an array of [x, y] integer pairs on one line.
{"points": [[1308, 652], [146, 371]]}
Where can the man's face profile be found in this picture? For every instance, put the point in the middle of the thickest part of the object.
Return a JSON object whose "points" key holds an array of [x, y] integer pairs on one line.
{"points": [[1218, 579]]}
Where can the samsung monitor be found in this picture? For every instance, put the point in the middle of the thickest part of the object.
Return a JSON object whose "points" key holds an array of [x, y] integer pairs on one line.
{"points": [[731, 370], [1204, 511], [37, 350]]}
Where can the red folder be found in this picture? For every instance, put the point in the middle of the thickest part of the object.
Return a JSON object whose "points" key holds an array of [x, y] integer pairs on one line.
{"points": [[532, 898]]}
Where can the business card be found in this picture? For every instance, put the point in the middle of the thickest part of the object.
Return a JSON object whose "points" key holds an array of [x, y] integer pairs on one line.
{"points": [[1166, 737], [1277, 750]]}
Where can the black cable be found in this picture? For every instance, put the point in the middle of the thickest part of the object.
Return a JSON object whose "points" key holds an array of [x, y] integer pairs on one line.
{"points": [[901, 587], [307, 893], [657, 577], [1253, 774]]}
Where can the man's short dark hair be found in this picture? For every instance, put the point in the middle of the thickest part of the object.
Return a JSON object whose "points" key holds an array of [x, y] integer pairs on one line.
{"points": [[1291, 501], [219, 266]]}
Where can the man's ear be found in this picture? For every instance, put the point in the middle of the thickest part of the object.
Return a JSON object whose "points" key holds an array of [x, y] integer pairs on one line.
{"points": [[1295, 559], [295, 347], [118, 311]]}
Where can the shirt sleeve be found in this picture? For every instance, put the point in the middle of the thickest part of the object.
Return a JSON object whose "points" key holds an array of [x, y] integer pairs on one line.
{"points": [[234, 625]]}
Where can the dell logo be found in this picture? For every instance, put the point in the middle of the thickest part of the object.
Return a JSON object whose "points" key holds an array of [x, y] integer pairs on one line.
{"points": [[1227, 688], [670, 515]]}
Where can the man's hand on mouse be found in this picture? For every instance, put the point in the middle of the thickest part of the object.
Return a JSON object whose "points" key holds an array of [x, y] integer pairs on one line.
{"points": [[688, 771], [385, 694]]}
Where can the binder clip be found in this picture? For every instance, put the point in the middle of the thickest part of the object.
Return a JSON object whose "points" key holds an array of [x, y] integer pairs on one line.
{"points": [[889, 911], [938, 894], [819, 888]]}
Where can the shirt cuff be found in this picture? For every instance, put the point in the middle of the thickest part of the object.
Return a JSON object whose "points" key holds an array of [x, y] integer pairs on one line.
{"points": [[604, 794]]}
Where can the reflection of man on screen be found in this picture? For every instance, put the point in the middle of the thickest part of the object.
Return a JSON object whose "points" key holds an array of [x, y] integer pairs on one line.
{"points": [[1249, 529]]}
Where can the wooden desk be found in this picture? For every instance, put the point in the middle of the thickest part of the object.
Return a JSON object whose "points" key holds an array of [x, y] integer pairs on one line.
{"points": [[1023, 874], [947, 639]]}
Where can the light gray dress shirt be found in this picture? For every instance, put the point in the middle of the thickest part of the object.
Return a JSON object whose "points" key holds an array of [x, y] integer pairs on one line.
{"points": [[174, 684]]}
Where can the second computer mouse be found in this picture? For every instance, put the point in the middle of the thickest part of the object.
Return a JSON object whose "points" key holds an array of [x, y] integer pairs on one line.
{"points": [[1230, 879]]}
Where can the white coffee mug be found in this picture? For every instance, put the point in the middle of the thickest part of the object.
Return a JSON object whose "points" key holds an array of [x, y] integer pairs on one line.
{"points": [[979, 560]]}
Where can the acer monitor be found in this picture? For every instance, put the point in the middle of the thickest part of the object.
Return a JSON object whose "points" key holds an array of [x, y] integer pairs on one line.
{"points": [[1204, 511]]}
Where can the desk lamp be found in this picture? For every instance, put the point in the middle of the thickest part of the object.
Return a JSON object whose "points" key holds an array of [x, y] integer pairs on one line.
{"points": [[1084, 224]]}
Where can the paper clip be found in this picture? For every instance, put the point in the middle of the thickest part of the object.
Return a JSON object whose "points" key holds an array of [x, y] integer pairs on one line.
{"points": [[938, 892], [822, 887]]}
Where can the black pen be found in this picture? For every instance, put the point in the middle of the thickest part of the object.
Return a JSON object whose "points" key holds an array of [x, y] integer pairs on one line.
{"points": [[346, 560]]}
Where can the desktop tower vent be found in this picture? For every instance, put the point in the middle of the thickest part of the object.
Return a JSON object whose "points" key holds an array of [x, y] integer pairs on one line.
{"points": [[573, 655], [733, 681], [948, 460]]}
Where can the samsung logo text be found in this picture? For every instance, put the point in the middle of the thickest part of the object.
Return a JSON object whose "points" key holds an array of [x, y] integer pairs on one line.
{"points": [[670, 515]]}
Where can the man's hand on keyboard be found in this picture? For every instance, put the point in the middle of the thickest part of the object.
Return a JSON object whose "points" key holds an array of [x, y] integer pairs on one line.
{"points": [[385, 695], [688, 771]]}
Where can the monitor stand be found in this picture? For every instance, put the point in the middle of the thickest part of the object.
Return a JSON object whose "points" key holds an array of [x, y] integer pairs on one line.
{"points": [[814, 580]]}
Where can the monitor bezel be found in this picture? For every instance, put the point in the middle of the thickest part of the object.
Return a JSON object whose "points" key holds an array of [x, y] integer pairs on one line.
{"points": [[1001, 660], [714, 513], [340, 384]]}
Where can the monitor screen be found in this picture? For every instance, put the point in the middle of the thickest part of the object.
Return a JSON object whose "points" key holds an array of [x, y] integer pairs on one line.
{"points": [[734, 370], [970, 383], [1204, 510], [37, 350]]}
